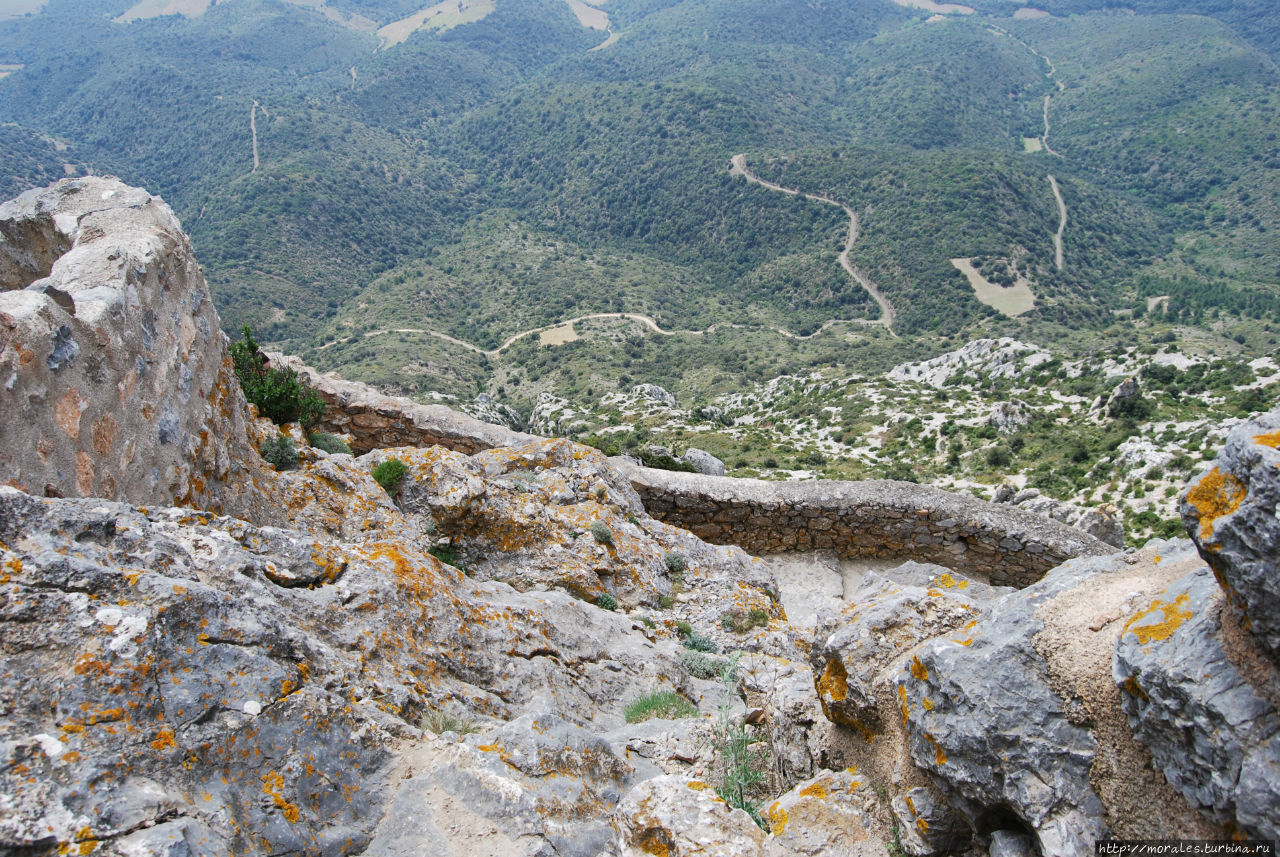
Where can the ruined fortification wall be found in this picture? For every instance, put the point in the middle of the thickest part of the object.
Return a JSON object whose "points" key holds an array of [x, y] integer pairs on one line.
{"points": [[114, 375], [882, 519]]}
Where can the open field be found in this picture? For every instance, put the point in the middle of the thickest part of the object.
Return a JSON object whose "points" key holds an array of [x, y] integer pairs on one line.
{"points": [[1012, 301]]}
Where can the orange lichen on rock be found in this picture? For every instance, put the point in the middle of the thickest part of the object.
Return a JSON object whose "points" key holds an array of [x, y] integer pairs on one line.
{"points": [[164, 740], [814, 790], [902, 703], [1215, 495], [1172, 615], [273, 785], [918, 669], [777, 818], [833, 684], [1271, 439]]}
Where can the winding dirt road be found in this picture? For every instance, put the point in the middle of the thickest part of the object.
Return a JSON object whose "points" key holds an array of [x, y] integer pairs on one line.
{"points": [[1058, 255], [887, 315]]}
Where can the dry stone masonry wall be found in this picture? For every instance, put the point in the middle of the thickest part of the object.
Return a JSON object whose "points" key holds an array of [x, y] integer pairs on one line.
{"points": [[1006, 545]]}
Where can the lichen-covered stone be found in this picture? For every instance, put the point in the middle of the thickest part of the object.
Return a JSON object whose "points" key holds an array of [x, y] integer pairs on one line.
{"points": [[114, 375], [674, 815], [882, 621], [927, 825], [1214, 735], [830, 815], [1231, 514]]}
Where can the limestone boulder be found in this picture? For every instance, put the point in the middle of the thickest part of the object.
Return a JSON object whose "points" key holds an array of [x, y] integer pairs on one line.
{"points": [[1230, 513], [1018, 724], [927, 825], [833, 814], [1203, 697], [115, 379], [678, 815], [703, 461], [853, 649]]}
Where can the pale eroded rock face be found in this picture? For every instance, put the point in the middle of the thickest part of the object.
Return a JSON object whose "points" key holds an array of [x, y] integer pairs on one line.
{"points": [[114, 375]]}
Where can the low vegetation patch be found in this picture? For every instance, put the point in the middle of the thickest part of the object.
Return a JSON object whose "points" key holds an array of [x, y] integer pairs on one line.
{"points": [[278, 394], [601, 532], [390, 474], [741, 621], [666, 704], [330, 443], [606, 601], [280, 452], [441, 722]]}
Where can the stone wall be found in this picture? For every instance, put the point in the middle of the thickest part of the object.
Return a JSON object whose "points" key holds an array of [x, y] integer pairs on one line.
{"points": [[114, 375], [377, 421], [1001, 543], [1005, 545]]}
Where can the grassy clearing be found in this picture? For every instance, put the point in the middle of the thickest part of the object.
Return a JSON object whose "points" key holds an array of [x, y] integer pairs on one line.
{"points": [[1012, 301]]}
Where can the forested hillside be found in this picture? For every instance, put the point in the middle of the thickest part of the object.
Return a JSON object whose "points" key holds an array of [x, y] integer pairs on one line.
{"points": [[528, 167]]}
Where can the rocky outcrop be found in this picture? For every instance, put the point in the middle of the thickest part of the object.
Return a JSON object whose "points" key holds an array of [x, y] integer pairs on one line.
{"points": [[1102, 522], [995, 358], [1004, 545], [1230, 512], [1213, 726], [703, 462], [114, 375]]}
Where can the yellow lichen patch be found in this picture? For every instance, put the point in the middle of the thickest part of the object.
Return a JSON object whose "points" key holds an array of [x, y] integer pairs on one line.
{"points": [[814, 790], [1215, 495], [1271, 439], [833, 684], [964, 584], [923, 825], [1172, 615], [946, 580], [911, 805], [902, 703], [927, 703], [653, 844], [164, 740], [938, 755], [777, 818], [273, 785], [1134, 689], [698, 786], [918, 669]]}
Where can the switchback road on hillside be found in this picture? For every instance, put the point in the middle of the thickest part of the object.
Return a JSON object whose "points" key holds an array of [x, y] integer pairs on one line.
{"points": [[887, 316]]}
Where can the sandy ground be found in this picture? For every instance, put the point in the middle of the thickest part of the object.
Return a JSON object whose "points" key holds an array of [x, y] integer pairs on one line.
{"points": [[442, 16], [558, 335], [589, 16], [940, 8]]}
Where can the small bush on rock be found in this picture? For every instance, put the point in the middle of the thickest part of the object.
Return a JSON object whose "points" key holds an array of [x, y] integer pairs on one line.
{"points": [[278, 393], [676, 562], [601, 533], [740, 621], [330, 443], [280, 452], [389, 474], [607, 602]]}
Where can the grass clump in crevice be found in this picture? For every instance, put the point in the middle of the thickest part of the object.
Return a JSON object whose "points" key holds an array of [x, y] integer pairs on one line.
{"points": [[390, 474], [666, 704], [742, 621], [441, 722]]}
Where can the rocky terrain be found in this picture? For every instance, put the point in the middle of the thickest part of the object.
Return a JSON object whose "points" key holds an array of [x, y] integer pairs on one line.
{"points": [[202, 655]]}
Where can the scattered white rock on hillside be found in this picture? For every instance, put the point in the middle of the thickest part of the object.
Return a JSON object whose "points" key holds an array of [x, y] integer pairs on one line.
{"points": [[553, 416], [996, 358]]}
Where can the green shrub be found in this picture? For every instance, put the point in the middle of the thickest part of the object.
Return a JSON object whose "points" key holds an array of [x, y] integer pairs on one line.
{"points": [[280, 452], [676, 563], [448, 555], [607, 602], [330, 443], [601, 533], [389, 474], [740, 621], [699, 665], [667, 704], [278, 393], [698, 643], [659, 461]]}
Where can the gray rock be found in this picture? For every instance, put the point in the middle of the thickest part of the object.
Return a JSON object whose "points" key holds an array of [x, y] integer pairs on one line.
{"points": [[1231, 514], [927, 825], [1215, 737], [981, 714], [852, 648], [1011, 843], [114, 375], [654, 393], [830, 815], [1009, 417], [703, 462]]}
